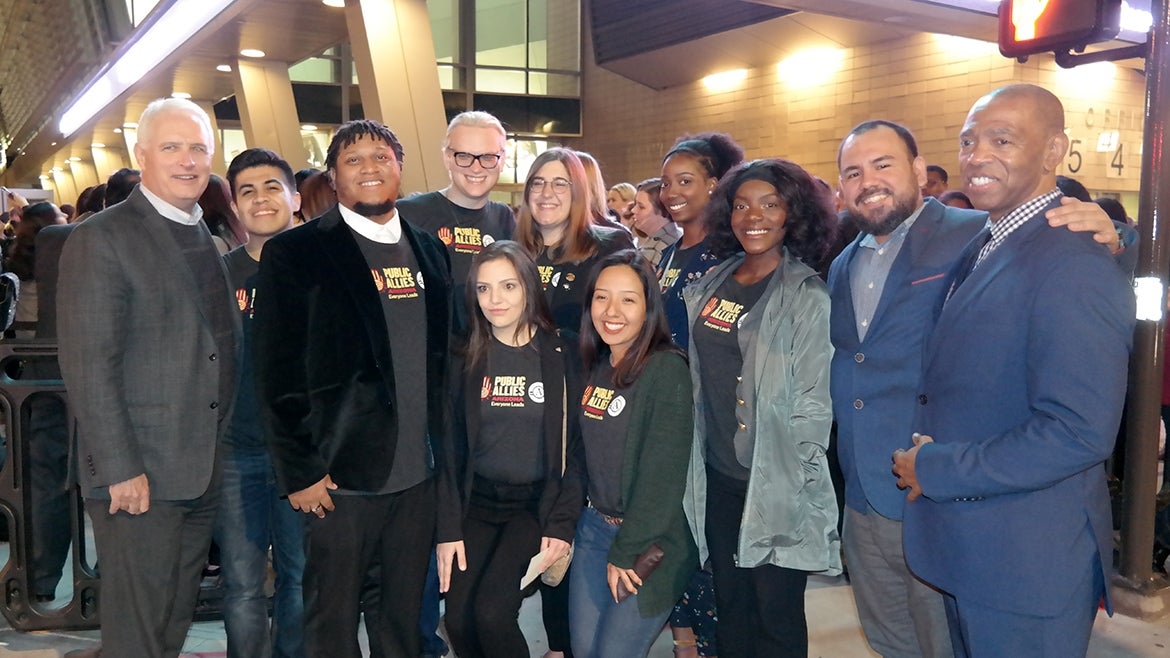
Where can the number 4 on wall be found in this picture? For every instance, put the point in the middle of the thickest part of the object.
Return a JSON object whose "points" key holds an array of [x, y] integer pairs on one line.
{"points": [[1116, 165]]}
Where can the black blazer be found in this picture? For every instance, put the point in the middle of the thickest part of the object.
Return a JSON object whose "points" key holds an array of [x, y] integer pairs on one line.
{"points": [[324, 370], [563, 497]]}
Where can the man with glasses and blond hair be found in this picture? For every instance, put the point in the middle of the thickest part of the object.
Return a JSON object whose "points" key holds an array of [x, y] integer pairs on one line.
{"points": [[461, 214]]}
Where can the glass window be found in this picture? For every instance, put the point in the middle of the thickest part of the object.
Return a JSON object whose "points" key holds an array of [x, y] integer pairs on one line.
{"points": [[518, 157], [444, 16], [500, 38], [315, 69], [138, 10], [233, 143]]}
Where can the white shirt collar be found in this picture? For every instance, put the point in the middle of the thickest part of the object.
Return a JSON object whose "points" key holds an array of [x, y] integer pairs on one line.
{"points": [[172, 213], [388, 233]]}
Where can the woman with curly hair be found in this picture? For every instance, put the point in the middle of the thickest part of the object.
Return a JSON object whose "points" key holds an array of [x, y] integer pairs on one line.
{"points": [[759, 495]]}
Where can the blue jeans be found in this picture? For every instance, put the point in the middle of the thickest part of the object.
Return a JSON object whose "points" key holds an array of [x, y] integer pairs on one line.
{"points": [[600, 628], [252, 517]]}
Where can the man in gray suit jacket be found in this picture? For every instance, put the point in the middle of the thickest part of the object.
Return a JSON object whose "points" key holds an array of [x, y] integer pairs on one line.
{"points": [[148, 339]]}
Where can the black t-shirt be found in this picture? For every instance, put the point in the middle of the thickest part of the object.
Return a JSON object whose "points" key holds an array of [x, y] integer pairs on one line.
{"points": [[245, 429], [510, 446], [401, 288], [605, 421], [672, 265], [465, 231], [716, 334], [565, 283]]}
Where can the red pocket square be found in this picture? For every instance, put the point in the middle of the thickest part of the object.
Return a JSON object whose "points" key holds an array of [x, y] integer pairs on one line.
{"points": [[929, 278]]}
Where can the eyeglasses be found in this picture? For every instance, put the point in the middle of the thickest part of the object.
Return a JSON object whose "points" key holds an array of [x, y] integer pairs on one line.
{"points": [[486, 160], [559, 185]]}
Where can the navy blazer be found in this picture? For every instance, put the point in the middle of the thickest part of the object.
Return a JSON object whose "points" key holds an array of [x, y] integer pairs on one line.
{"points": [[324, 370], [1024, 382], [874, 382]]}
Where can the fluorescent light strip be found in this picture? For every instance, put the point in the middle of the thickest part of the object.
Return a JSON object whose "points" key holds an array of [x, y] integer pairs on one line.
{"points": [[180, 22]]}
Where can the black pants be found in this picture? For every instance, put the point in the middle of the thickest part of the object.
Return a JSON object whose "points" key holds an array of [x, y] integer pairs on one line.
{"points": [[761, 610], [500, 537], [400, 529], [152, 564]]}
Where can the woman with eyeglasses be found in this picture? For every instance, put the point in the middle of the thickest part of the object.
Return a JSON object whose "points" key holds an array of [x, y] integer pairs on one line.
{"points": [[556, 229]]}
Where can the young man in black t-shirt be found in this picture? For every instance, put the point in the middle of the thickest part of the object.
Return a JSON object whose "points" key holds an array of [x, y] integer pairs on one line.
{"points": [[251, 514], [461, 214]]}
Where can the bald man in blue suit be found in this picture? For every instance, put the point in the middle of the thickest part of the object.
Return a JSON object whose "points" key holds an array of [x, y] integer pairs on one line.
{"points": [[1023, 385]]}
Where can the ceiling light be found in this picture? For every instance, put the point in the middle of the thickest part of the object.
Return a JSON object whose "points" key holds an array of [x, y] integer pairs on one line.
{"points": [[333, 3], [178, 24], [98, 145], [74, 159], [130, 124], [725, 81], [252, 52], [308, 128], [52, 143], [43, 177], [180, 94], [57, 170], [810, 68], [226, 68], [117, 131]]}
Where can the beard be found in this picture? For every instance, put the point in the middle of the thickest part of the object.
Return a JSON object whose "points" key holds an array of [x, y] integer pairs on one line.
{"points": [[374, 209], [885, 223]]}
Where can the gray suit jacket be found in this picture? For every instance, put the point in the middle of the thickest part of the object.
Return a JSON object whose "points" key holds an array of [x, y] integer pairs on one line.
{"points": [[138, 355]]}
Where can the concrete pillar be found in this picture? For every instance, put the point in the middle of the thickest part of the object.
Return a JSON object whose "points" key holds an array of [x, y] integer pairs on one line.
{"points": [[66, 190], [218, 163], [107, 160], [84, 174], [268, 112], [395, 59]]}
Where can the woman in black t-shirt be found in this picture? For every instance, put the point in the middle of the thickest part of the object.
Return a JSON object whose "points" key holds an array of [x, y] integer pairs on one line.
{"points": [[517, 450], [556, 229]]}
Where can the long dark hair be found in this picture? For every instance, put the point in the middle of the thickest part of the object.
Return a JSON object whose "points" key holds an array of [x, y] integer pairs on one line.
{"points": [[654, 336], [536, 312], [810, 227]]}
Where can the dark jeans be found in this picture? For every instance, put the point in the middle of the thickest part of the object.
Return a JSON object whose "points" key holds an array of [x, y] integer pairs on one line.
{"points": [[761, 609], [252, 517], [48, 463], [483, 604], [399, 528]]}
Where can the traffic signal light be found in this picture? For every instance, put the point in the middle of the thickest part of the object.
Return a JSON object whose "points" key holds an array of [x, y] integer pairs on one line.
{"points": [[1027, 27]]}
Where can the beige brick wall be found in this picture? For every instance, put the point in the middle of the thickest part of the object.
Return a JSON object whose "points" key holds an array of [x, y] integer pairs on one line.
{"points": [[927, 82]]}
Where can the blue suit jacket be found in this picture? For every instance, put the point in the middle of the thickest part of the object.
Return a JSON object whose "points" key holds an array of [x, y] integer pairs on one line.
{"points": [[1024, 381], [875, 381]]}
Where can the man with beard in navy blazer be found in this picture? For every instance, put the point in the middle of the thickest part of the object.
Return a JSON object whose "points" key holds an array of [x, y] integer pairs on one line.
{"points": [[1023, 385], [352, 315], [885, 287]]}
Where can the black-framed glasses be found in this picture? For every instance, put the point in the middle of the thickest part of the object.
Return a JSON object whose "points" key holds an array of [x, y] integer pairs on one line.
{"points": [[559, 185], [486, 160]]}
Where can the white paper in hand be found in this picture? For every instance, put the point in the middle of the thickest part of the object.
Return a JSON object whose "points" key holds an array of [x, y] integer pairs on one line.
{"points": [[534, 570]]}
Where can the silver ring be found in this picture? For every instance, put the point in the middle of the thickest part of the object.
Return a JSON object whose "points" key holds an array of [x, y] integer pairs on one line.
{"points": [[316, 508]]}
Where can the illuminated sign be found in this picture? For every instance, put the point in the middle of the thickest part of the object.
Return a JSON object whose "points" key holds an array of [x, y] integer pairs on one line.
{"points": [[1027, 27]]}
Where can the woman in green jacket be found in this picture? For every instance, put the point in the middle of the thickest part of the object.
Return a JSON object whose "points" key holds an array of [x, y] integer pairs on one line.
{"points": [[636, 425], [758, 492]]}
